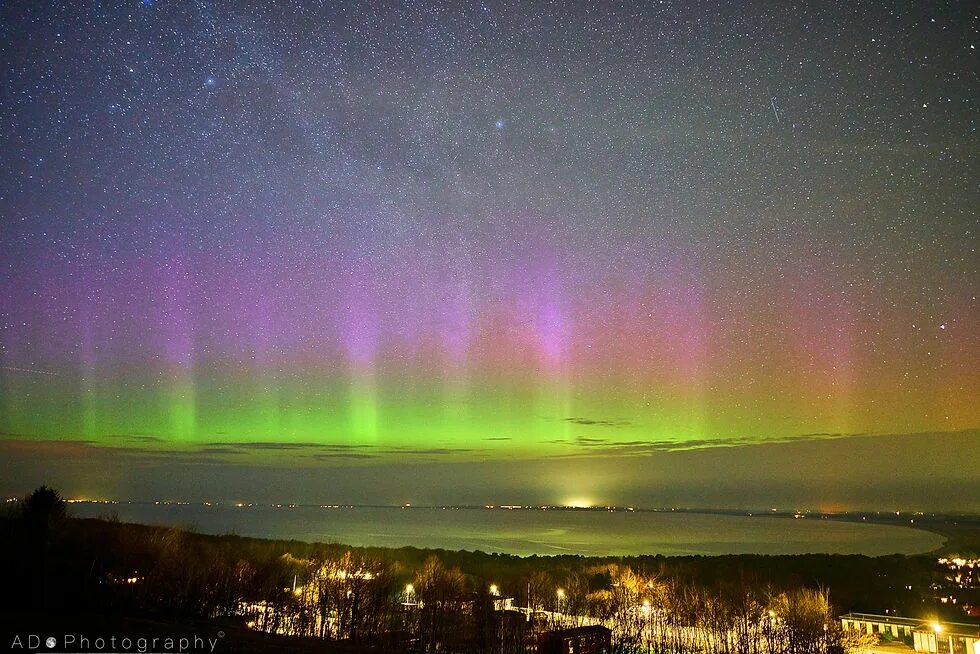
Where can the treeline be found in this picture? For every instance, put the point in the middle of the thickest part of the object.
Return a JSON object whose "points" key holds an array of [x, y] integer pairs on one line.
{"points": [[413, 599], [358, 598]]}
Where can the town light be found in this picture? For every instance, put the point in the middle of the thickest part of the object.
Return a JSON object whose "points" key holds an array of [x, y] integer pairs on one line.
{"points": [[494, 590], [561, 593], [409, 589], [938, 628]]}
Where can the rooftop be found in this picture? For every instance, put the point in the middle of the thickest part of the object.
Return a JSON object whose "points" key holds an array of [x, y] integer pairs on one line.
{"points": [[888, 619], [948, 628]]}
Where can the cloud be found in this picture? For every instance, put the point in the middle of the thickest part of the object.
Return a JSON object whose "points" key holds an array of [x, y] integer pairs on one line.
{"points": [[352, 456], [142, 438], [327, 451], [218, 450], [586, 440], [271, 445], [151, 450], [799, 470], [607, 447], [432, 450], [594, 422]]}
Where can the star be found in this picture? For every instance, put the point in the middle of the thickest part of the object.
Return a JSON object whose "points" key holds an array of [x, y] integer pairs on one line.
{"points": [[346, 241]]}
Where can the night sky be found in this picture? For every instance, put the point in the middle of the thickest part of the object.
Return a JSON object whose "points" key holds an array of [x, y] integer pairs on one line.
{"points": [[257, 240]]}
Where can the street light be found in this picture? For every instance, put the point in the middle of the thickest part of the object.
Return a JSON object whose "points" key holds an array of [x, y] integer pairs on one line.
{"points": [[494, 590]]}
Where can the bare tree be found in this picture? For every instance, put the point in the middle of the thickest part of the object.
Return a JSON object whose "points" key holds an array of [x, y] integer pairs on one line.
{"points": [[441, 594]]}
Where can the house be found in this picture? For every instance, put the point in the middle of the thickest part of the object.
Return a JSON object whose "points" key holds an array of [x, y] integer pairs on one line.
{"points": [[948, 638], [503, 604], [923, 636], [888, 627], [591, 639]]}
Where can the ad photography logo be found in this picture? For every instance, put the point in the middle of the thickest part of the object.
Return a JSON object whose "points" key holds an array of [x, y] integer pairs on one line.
{"points": [[79, 642]]}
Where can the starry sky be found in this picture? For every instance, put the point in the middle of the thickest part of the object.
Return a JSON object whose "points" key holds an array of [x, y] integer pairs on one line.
{"points": [[348, 235]]}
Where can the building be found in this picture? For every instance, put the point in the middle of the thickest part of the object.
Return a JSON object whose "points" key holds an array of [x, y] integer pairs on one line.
{"points": [[922, 636], [888, 627], [503, 604], [591, 639], [948, 638]]}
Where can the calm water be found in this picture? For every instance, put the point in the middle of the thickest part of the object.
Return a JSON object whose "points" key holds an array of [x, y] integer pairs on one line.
{"points": [[535, 532]]}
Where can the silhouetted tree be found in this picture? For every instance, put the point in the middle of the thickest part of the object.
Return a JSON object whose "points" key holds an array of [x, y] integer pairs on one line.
{"points": [[441, 593], [42, 511], [44, 507]]}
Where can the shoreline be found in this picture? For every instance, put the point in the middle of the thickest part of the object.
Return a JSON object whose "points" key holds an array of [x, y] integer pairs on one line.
{"points": [[958, 533]]}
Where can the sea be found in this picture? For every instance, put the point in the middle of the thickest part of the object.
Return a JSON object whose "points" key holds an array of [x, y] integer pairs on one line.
{"points": [[528, 532]]}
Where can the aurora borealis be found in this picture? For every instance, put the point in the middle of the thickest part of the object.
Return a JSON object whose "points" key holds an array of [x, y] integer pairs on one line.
{"points": [[348, 234]]}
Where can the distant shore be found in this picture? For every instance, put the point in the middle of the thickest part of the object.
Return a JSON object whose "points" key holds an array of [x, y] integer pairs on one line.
{"points": [[524, 531]]}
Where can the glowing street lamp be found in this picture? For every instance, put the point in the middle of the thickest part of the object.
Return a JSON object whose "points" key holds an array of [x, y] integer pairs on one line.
{"points": [[494, 590], [561, 594]]}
